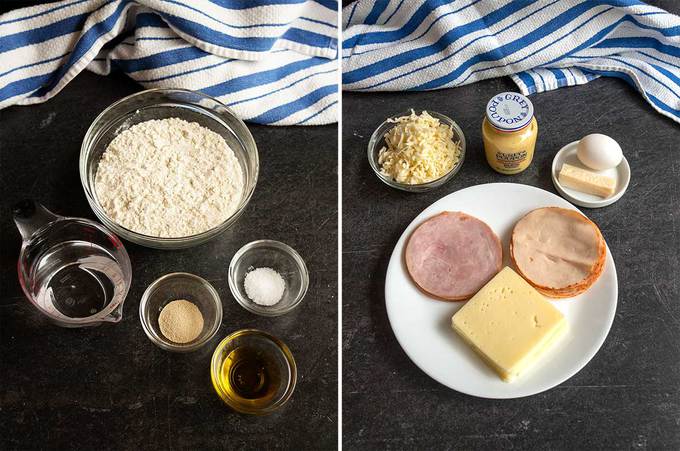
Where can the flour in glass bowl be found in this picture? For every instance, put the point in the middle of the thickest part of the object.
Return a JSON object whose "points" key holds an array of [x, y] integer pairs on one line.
{"points": [[169, 178]]}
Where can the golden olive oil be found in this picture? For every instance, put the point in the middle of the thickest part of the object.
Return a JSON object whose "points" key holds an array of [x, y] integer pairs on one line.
{"points": [[250, 375]]}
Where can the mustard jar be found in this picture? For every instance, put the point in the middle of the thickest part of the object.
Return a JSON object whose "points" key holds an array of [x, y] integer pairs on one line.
{"points": [[509, 132]]}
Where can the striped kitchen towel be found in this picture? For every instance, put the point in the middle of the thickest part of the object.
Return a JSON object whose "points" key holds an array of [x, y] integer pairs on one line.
{"points": [[272, 61], [402, 45]]}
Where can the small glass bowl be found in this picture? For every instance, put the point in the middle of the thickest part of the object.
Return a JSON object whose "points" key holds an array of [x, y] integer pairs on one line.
{"points": [[161, 104], [264, 343], [281, 258], [377, 142], [174, 286]]}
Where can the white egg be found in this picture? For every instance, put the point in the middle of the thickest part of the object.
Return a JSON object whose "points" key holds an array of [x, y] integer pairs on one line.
{"points": [[599, 152]]}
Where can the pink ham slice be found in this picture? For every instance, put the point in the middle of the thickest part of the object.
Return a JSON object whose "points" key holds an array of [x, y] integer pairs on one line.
{"points": [[452, 255]]}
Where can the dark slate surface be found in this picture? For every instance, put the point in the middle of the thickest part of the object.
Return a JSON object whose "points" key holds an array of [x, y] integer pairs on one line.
{"points": [[110, 387], [628, 396]]}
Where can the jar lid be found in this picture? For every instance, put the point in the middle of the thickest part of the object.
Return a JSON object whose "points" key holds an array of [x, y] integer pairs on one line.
{"points": [[509, 111]]}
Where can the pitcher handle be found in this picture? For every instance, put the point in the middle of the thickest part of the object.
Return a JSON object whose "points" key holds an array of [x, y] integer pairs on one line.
{"points": [[30, 216]]}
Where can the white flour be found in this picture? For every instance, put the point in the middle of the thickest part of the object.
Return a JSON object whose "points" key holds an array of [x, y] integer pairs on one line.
{"points": [[169, 178]]}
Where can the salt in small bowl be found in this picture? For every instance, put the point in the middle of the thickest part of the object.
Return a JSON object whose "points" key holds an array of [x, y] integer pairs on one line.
{"points": [[281, 258]]}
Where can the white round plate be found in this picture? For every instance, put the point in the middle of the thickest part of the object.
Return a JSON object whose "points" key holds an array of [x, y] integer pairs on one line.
{"points": [[567, 154], [422, 324]]}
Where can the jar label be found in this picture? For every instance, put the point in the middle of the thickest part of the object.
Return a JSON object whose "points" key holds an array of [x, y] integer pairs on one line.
{"points": [[510, 160]]}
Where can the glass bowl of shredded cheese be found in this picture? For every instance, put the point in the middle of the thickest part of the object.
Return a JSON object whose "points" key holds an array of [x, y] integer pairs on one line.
{"points": [[417, 152]]}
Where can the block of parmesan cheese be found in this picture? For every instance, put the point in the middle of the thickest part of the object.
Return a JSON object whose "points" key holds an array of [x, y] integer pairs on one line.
{"points": [[509, 324], [586, 181]]}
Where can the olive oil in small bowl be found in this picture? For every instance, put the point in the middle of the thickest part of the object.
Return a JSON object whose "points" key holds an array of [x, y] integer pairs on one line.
{"points": [[253, 372]]}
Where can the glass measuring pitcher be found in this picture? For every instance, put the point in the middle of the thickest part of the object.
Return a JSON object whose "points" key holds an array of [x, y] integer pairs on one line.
{"points": [[72, 269]]}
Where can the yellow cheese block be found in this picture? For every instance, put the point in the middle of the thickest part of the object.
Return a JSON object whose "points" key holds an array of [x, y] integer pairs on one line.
{"points": [[509, 324], [586, 181]]}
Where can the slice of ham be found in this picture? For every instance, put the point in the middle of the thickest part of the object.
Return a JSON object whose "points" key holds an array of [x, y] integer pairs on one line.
{"points": [[452, 255], [559, 251]]}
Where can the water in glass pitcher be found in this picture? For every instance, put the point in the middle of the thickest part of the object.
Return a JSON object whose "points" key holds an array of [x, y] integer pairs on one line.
{"points": [[77, 279]]}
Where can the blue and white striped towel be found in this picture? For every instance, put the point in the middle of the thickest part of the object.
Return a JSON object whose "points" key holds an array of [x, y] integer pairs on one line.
{"points": [[423, 45], [272, 61]]}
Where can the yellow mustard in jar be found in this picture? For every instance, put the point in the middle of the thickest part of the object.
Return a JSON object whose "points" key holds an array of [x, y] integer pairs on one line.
{"points": [[509, 132]]}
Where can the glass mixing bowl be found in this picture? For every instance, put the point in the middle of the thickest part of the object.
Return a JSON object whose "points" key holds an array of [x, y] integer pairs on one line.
{"points": [[377, 142], [161, 104]]}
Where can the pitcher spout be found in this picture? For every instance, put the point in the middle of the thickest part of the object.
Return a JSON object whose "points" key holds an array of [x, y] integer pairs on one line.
{"points": [[116, 315]]}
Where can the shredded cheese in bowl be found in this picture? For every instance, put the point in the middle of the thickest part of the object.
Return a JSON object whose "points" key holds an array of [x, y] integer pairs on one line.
{"points": [[419, 149]]}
